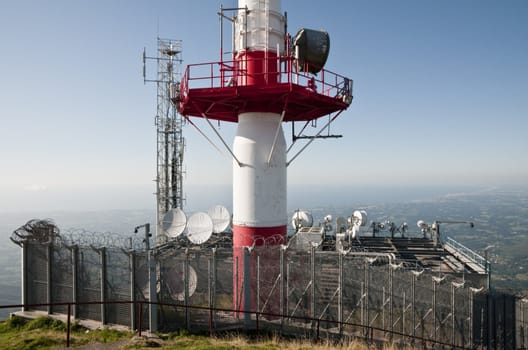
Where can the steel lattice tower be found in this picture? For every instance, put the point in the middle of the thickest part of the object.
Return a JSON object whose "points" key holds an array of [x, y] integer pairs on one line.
{"points": [[169, 123]]}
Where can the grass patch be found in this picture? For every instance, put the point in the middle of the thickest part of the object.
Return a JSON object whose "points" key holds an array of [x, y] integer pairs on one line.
{"points": [[46, 333]]}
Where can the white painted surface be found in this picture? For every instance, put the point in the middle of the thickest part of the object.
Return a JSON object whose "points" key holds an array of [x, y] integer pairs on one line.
{"points": [[259, 189], [262, 29]]}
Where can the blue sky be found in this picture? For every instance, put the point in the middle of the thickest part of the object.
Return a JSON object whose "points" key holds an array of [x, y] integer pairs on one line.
{"points": [[440, 96]]}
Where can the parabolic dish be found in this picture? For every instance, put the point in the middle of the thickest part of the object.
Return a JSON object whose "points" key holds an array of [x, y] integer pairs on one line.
{"points": [[174, 222], [301, 218], [175, 281], [360, 217], [199, 228], [221, 218]]}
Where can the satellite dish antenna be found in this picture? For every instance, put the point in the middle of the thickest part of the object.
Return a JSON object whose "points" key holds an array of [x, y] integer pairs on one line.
{"points": [[422, 225], [175, 281], [341, 225], [301, 218], [221, 218], [199, 228], [359, 218], [174, 222]]}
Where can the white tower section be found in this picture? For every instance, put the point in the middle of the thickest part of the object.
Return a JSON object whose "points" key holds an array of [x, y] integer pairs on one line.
{"points": [[262, 28], [259, 184], [259, 188]]}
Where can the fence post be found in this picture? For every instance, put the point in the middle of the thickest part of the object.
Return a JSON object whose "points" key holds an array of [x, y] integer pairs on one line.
{"points": [[312, 277], [246, 285], [434, 308], [186, 291], [282, 249], [24, 271], [75, 279], [391, 296], [153, 297], [340, 295], [102, 255], [49, 265], [367, 290], [404, 307], [132, 265], [140, 325], [68, 324], [237, 287], [213, 296], [258, 287], [452, 314]]}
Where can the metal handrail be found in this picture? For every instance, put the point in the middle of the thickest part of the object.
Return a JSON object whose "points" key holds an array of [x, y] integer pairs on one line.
{"points": [[368, 330], [468, 253], [227, 73]]}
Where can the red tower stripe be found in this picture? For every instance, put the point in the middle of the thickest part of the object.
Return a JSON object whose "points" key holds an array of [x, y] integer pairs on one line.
{"points": [[245, 236]]}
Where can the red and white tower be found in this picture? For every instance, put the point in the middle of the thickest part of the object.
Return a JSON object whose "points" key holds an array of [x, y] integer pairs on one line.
{"points": [[268, 82]]}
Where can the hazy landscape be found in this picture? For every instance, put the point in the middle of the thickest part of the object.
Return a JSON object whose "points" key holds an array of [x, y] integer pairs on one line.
{"points": [[500, 216]]}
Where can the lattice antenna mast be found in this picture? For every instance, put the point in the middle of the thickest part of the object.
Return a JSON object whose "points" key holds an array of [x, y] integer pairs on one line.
{"points": [[169, 123]]}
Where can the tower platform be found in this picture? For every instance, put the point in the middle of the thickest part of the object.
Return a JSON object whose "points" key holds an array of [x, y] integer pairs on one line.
{"points": [[216, 93]]}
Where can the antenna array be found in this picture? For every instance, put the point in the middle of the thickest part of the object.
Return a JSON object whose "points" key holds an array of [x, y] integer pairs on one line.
{"points": [[170, 141]]}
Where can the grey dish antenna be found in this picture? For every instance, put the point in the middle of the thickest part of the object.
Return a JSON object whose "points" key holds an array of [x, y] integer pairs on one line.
{"points": [[174, 222], [199, 228], [221, 218]]}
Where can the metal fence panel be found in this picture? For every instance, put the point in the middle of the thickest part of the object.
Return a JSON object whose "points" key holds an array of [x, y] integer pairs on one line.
{"points": [[118, 279], [37, 275], [373, 295], [61, 278], [89, 286]]}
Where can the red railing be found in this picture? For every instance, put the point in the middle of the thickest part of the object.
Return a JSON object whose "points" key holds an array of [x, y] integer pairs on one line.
{"points": [[226, 74]]}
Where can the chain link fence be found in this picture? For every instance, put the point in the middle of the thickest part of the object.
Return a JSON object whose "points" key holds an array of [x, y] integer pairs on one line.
{"points": [[279, 289]]}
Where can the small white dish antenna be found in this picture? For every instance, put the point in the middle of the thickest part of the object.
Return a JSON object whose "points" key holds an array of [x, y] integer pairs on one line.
{"points": [[359, 218], [174, 222], [301, 218], [221, 218], [422, 225], [199, 228], [341, 225]]}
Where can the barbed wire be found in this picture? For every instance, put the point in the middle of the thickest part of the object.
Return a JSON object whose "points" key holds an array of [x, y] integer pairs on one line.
{"points": [[107, 239], [42, 231], [45, 231]]}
